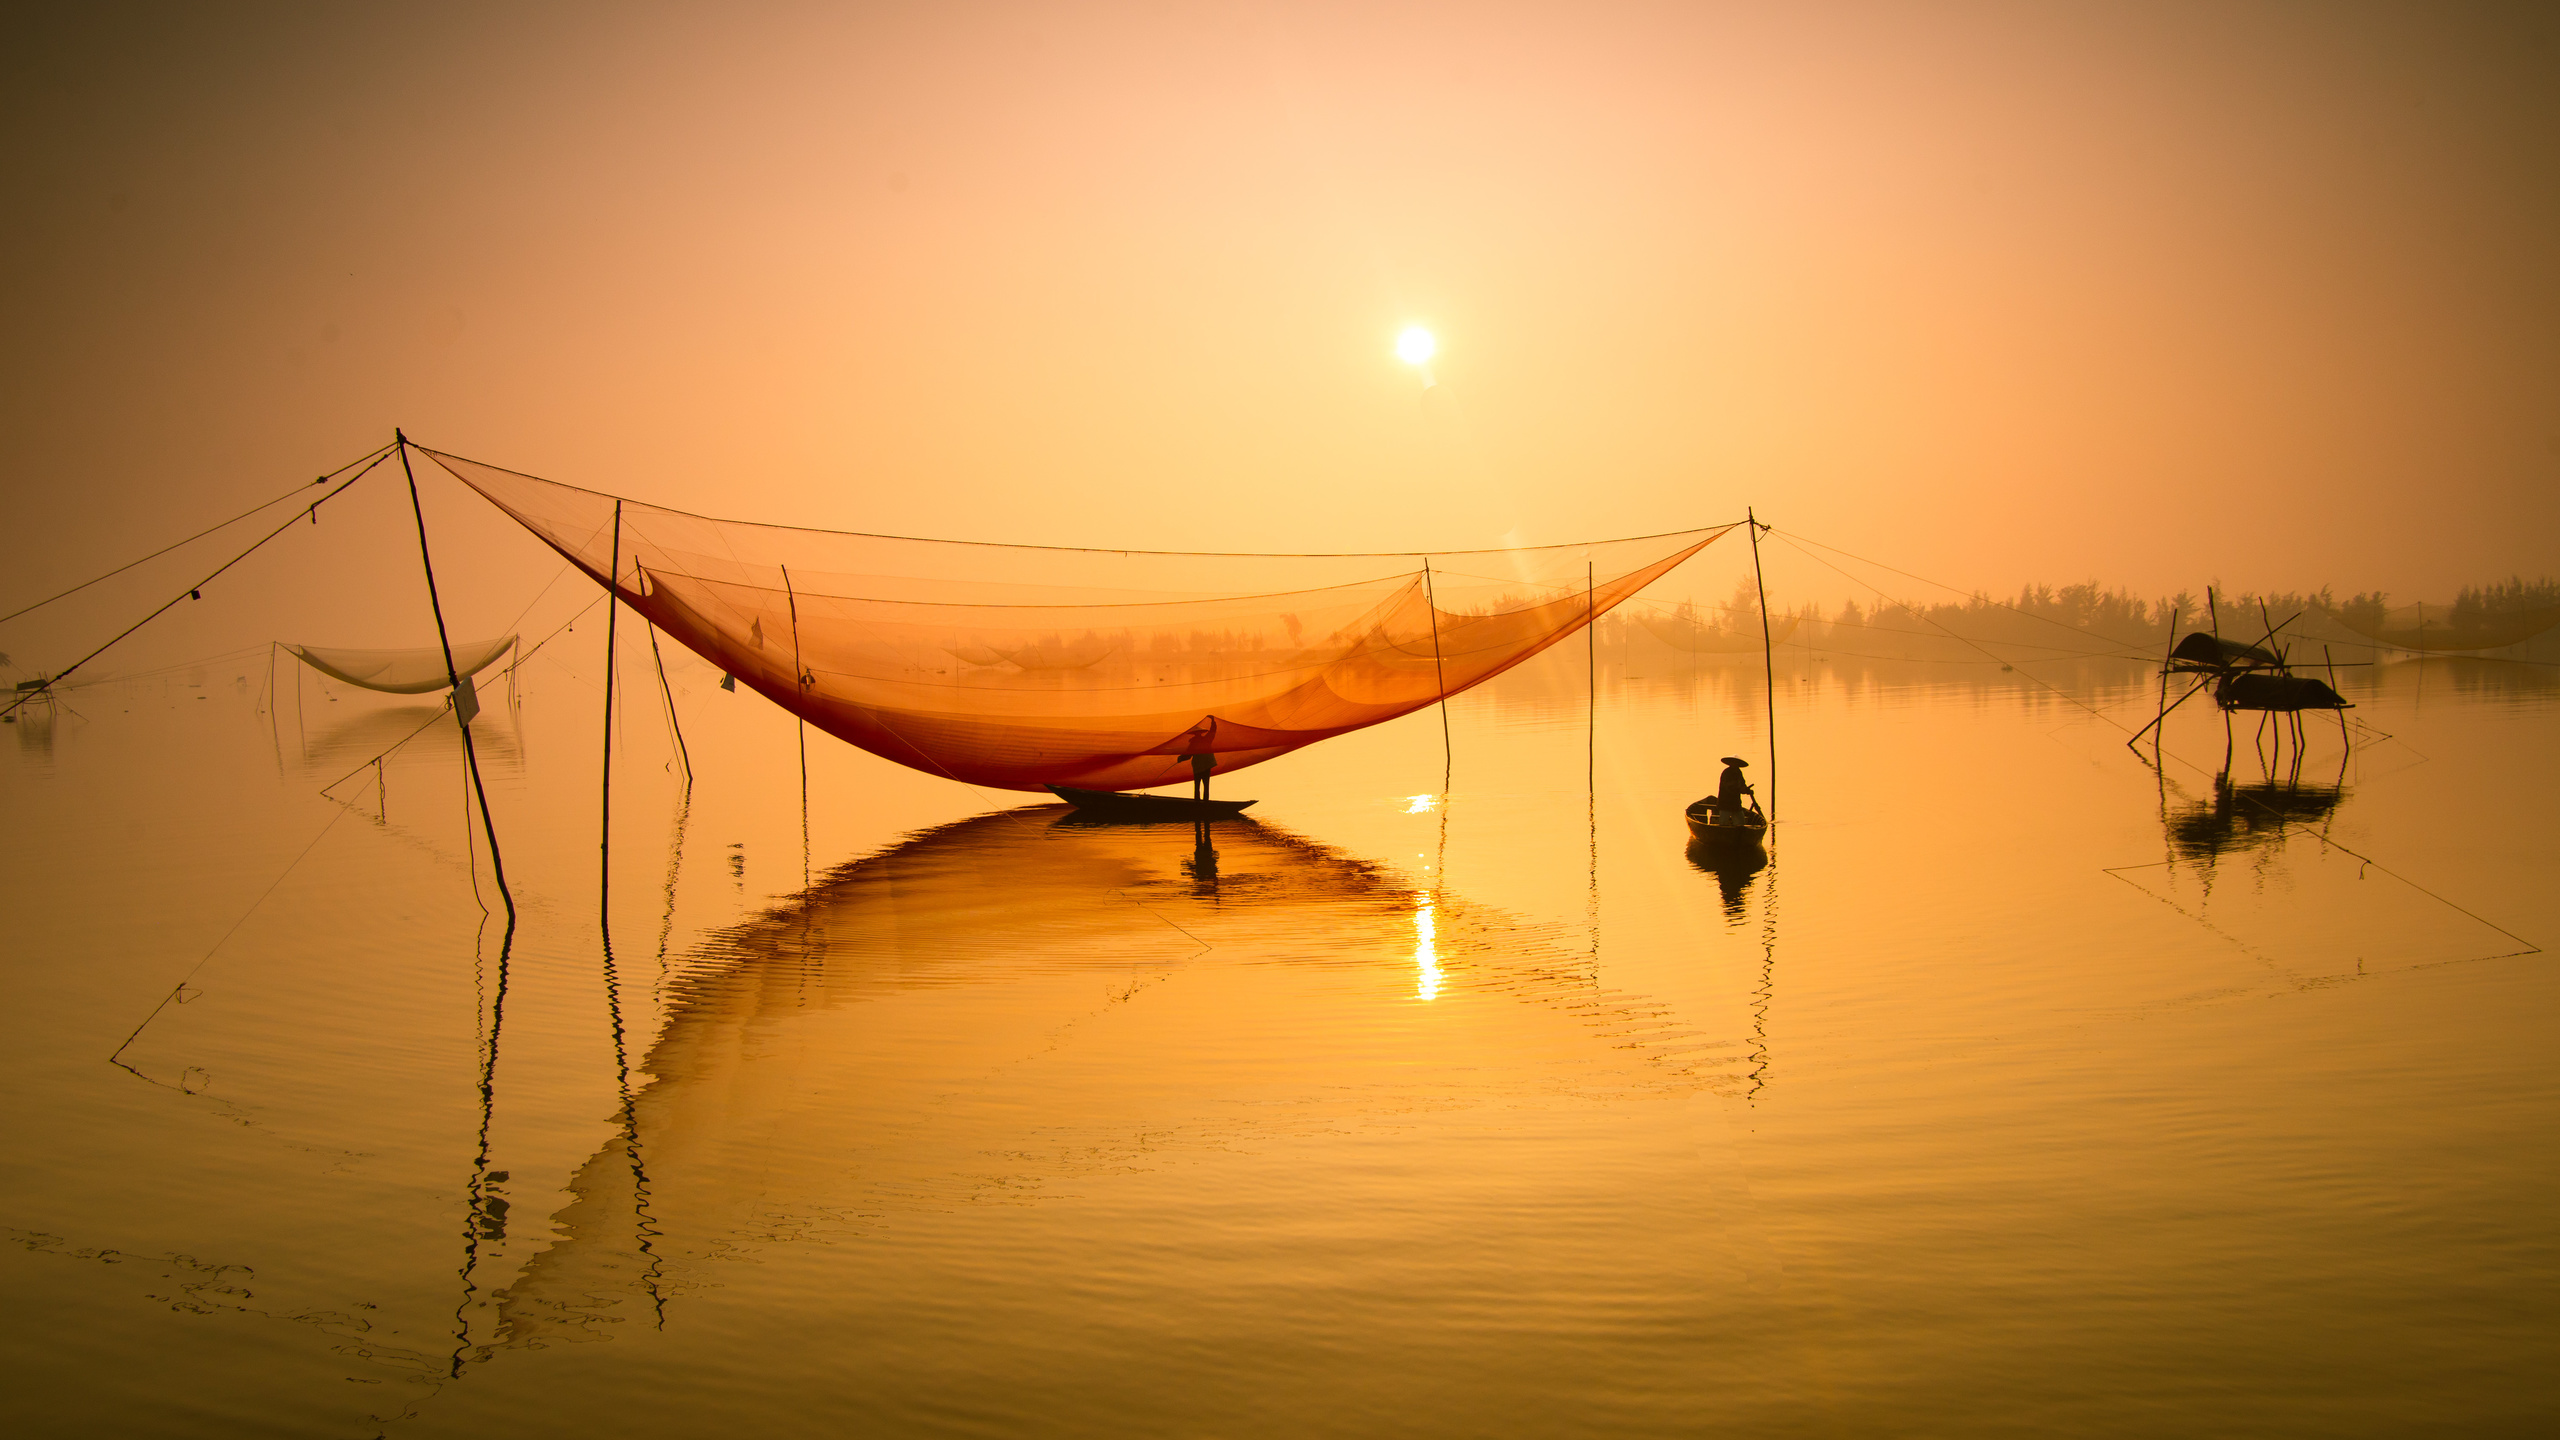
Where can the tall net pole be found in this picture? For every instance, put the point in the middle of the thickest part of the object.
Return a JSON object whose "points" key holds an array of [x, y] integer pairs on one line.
{"points": [[800, 686], [1768, 660], [1440, 679], [604, 841], [470, 757]]}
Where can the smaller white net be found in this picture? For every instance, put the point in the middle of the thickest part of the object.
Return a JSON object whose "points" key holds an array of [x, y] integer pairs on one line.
{"points": [[403, 672]]}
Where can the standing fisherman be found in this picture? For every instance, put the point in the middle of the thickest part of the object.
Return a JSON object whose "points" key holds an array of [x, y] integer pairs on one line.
{"points": [[1202, 760]]}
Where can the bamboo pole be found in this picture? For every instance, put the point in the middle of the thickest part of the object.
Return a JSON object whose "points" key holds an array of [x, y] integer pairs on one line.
{"points": [[667, 693], [604, 840], [1440, 678], [1768, 660], [470, 756], [800, 688]]}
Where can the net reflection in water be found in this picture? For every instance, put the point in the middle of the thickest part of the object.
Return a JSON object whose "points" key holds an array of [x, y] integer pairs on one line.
{"points": [[1047, 1067]]}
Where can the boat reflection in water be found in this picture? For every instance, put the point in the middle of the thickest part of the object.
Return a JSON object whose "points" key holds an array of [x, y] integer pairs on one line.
{"points": [[1032, 1097], [1734, 867]]}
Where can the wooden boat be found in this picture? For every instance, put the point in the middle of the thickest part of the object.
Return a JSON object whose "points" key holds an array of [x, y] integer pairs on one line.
{"points": [[1726, 829], [1119, 805]]}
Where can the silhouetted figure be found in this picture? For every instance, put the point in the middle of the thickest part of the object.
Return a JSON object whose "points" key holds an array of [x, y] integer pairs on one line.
{"points": [[1732, 787], [1202, 760]]}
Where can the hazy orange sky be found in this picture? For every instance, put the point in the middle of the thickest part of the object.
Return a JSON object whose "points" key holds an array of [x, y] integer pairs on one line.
{"points": [[2144, 293]]}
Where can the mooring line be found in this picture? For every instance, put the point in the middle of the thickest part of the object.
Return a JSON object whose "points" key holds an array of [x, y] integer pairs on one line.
{"points": [[192, 970]]}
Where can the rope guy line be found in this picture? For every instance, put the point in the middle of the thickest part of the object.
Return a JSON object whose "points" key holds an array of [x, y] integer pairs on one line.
{"points": [[1789, 539], [195, 589], [1925, 580], [374, 454], [173, 667], [441, 456], [114, 1059]]}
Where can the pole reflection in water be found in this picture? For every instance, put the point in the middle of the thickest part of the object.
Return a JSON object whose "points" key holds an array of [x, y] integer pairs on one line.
{"points": [[628, 1130], [1735, 869], [485, 1213], [1766, 991]]}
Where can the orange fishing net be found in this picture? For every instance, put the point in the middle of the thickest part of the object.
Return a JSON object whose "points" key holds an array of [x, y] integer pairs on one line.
{"points": [[1021, 666]]}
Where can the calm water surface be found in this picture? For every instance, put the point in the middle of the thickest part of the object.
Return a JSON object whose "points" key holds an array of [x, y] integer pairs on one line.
{"points": [[2029, 1091]]}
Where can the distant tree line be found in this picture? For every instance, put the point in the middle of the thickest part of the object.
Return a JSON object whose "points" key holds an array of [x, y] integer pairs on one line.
{"points": [[2052, 621], [2474, 606]]}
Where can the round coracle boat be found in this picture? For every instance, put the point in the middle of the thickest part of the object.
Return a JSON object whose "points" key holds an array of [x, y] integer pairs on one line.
{"points": [[1736, 827]]}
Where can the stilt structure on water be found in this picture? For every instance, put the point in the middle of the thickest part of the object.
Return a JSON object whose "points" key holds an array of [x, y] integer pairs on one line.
{"points": [[2256, 677]]}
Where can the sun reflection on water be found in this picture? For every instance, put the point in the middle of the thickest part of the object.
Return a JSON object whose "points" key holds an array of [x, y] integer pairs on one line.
{"points": [[1426, 952]]}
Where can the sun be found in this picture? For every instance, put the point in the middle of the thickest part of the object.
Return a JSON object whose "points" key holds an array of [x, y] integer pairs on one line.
{"points": [[1415, 345]]}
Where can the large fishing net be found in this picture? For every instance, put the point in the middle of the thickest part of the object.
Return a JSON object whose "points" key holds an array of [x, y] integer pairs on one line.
{"points": [[1016, 667]]}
